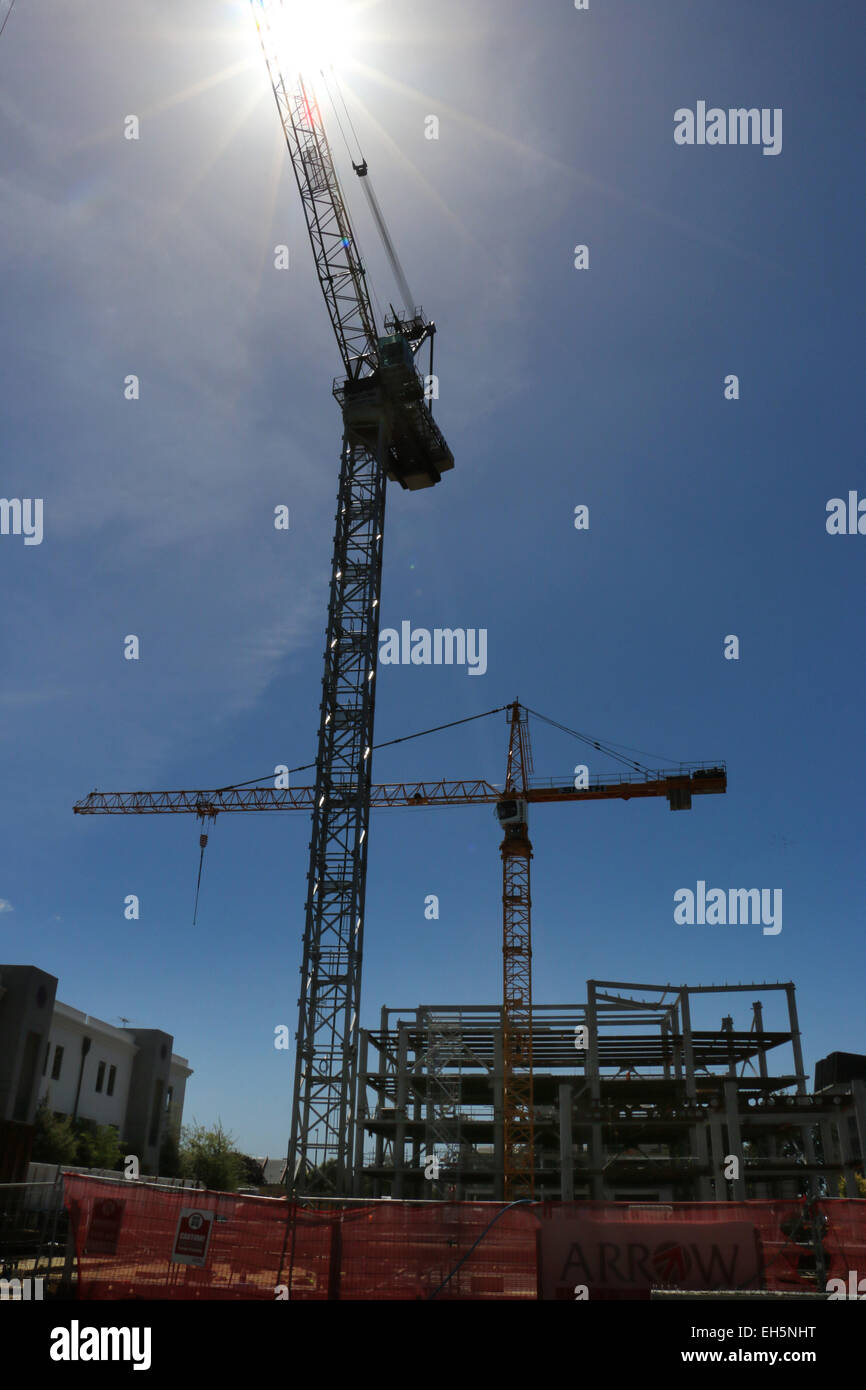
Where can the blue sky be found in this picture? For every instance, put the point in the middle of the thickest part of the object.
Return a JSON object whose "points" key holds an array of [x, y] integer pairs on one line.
{"points": [[557, 387]]}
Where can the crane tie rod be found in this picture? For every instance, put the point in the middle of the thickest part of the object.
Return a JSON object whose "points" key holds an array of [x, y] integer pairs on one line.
{"points": [[454, 723], [406, 738], [610, 749]]}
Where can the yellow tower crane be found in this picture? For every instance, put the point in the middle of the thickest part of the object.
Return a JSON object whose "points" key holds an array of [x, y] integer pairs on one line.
{"points": [[511, 802]]}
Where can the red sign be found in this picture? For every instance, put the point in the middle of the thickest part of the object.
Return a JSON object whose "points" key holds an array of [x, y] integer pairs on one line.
{"points": [[192, 1237], [106, 1220], [627, 1258]]}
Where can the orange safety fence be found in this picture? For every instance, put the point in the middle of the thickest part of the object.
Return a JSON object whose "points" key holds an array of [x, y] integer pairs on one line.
{"points": [[135, 1241]]}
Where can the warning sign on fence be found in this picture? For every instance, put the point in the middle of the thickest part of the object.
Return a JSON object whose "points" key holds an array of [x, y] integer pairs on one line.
{"points": [[192, 1237], [105, 1222]]}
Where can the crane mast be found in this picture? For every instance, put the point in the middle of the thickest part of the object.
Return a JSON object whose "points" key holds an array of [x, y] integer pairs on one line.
{"points": [[388, 432], [518, 1123]]}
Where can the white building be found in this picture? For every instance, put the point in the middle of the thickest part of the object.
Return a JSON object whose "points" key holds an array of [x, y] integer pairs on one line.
{"points": [[84, 1067]]}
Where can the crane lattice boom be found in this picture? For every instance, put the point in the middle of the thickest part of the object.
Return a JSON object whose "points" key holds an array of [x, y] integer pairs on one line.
{"points": [[692, 780], [338, 263]]}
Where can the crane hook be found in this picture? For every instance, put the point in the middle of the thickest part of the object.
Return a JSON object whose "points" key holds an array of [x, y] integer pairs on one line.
{"points": [[204, 815]]}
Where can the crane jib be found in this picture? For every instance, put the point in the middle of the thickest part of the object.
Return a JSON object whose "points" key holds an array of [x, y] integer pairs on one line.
{"points": [[382, 396], [464, 792]]}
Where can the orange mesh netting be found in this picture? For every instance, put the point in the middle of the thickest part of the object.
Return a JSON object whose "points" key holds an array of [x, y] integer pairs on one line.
{"points": [[129, 1241], [135, 1241]]}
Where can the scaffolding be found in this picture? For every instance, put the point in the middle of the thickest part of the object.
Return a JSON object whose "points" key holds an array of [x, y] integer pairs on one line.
{"points": [[631, 1102]]}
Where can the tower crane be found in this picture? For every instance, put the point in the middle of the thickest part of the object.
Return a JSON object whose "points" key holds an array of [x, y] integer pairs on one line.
{"points": [[511, 801], [388, 432]]}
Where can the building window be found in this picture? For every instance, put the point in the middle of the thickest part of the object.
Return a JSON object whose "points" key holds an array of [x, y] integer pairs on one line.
{"points": [[100, 1076], [58, 1063], [47, 1055], [169, 1097], [112, 1073]]}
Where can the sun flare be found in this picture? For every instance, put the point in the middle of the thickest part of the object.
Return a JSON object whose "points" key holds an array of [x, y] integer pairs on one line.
{"points": [[310, 35]]}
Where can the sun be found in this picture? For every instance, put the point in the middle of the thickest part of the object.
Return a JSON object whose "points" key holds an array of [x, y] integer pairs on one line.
{"points": [[309, 35]]}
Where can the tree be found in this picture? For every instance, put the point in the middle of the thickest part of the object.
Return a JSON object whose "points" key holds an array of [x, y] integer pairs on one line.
{"points": [[208, 1156], [54, 1139], [861, 1186], [251, 1171], [97, 1145]]}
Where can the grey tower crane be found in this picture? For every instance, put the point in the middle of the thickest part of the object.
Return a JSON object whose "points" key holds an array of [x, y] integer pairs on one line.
{"points": [[388, 432]]}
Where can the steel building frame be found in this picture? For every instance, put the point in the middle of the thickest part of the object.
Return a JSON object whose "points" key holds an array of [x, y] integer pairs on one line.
{"points": [[651, 1108]]}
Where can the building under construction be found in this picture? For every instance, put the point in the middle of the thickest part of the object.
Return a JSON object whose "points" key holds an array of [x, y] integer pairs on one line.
{"points": [[631, 1102]]}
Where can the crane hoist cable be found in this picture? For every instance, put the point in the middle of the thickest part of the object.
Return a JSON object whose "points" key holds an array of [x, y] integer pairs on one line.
{"points": [[339, 89], [347, 112], [371, 289], [378, 218], [6, 16], [361, 169], [204, 817]]}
